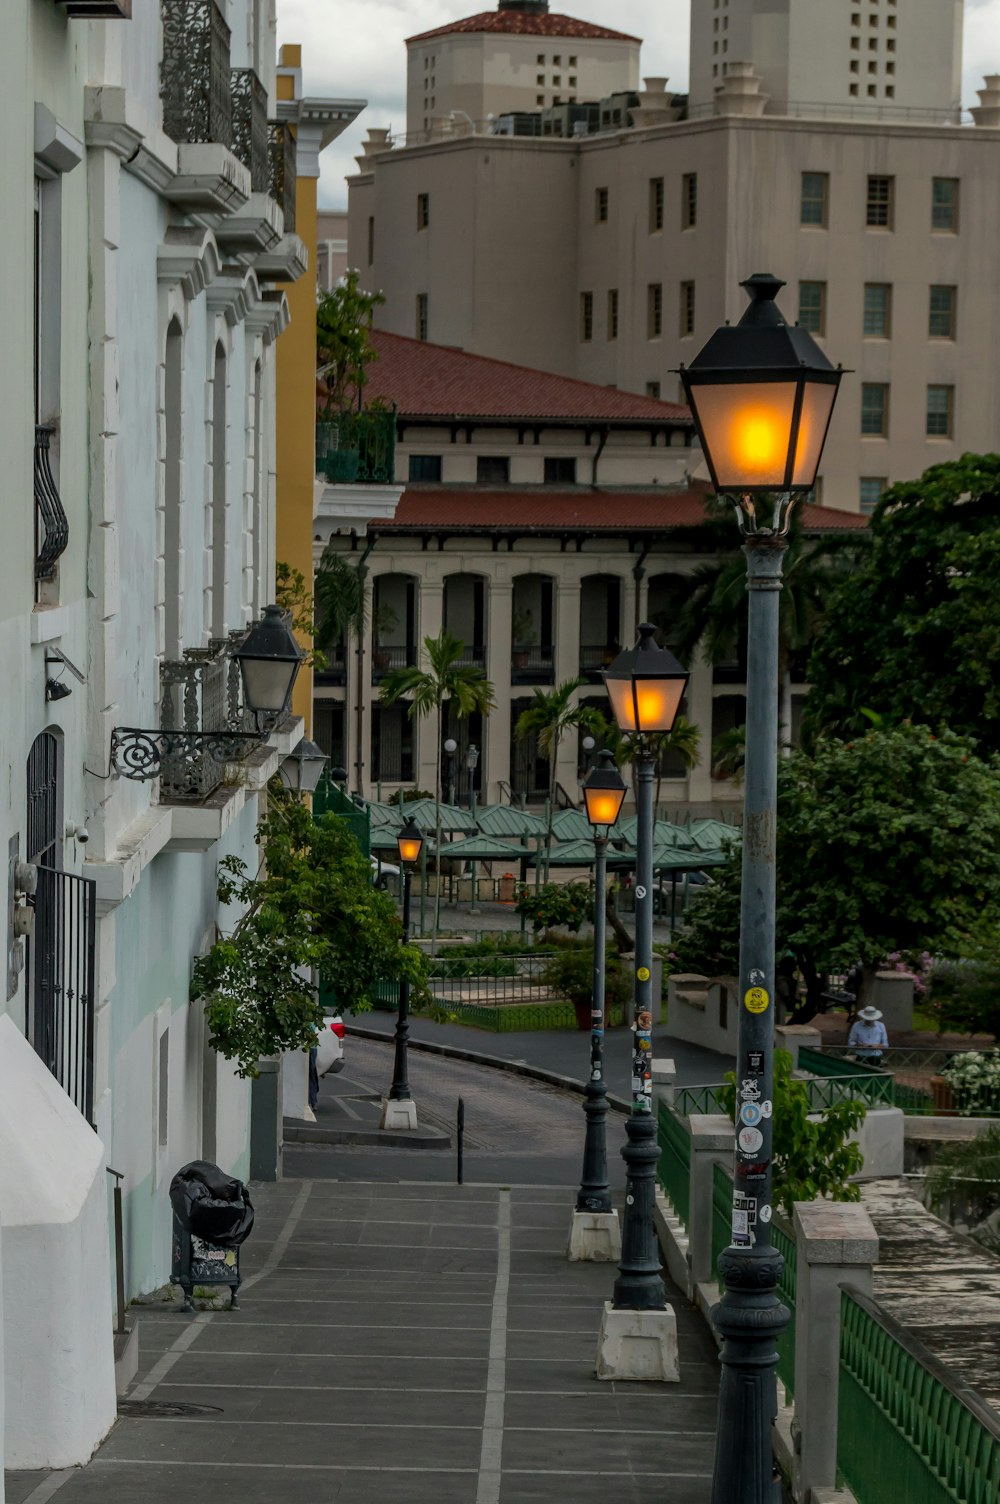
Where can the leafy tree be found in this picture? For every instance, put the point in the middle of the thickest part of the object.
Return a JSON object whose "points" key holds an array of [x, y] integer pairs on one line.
{"points": [[567, 904], [890, 842], [340, 601], [914, 632], [570, 974], [549, 716], [293, 594], [445, 678], [683, 742], [310, 909], [344, 348], [811, 1157]]}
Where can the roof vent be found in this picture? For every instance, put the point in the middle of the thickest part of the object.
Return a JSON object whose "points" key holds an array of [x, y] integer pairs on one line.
{"points": [[531, 7]]}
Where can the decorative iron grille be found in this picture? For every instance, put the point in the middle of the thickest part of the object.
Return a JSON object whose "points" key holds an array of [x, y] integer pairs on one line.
{"points": [[281, 148], [358, 447], [250, 135], [61, 981], [194, 72], [51, 522]]}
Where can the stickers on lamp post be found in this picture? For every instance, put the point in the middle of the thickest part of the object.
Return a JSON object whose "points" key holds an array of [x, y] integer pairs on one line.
{"points": [[750, 1114], [642, 1058], [643, 974], [750, 1140], [756, 1000]]}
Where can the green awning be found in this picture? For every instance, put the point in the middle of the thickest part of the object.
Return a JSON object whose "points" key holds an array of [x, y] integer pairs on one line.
{"points": [[712, 835], [505, 820], [425, 815], [483, 849], [665, 833]]}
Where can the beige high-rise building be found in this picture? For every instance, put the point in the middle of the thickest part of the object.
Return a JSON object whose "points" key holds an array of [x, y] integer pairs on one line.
{"points": [[612, 256], [872, 58], [518, 57]]}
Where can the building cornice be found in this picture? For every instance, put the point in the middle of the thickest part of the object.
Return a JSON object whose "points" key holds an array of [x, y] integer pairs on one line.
{"points": [[233, 294], [318, 122], [188, 256], [270, 317]]}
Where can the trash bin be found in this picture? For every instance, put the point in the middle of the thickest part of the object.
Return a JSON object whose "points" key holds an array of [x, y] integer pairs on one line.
{"points": [[506, 891], [213, 1216]]}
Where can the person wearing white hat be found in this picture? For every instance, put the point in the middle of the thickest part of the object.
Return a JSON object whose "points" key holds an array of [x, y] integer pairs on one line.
{"points": [[868, 1037]]}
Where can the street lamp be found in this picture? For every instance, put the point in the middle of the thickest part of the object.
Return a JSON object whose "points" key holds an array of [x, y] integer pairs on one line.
{"points": [[595, 1233], [269, 660], [303, 768], [646, 685], [399, 1110], [762, 395], [472, 763], [451, 747]]}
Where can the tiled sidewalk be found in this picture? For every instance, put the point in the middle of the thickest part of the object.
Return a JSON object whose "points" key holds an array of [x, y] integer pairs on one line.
{"points": [[417, 1342]]}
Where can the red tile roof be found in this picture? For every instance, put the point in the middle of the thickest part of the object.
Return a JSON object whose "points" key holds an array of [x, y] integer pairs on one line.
{"points": [[524, 24], [426, 380], [438, 509]]}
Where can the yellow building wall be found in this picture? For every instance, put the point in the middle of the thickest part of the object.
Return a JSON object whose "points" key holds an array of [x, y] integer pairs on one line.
{"points": [[296, 406]]}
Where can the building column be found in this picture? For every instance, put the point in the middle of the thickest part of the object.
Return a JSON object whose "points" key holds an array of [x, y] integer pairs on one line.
{"points": [[495, 761], [430, 615], [699, 710]]}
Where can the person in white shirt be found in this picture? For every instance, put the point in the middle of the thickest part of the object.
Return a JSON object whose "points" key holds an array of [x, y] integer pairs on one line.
{"points": [[868, 1037]]}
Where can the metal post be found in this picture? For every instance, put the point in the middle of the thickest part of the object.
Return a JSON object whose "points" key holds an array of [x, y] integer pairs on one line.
{"points": [[474, 909], [639, 1286], [119, 1176], [423, 887], [399, 1091], [460, 1140], [750, 1317], [594, 1194]]}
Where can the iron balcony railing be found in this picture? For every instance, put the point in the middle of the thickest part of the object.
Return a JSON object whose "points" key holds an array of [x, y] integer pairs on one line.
{"points": [[358, 448], [61, 973], [51, 522], [195, 80], [593, 659], [282, 171], [200, 694], [250, 134], [385, 658], [532, 664]]}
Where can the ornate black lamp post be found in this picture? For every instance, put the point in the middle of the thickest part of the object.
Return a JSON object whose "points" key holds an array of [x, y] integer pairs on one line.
{"points": [[595, 1233], [399, 1110], [762, 394], [646, 685]]}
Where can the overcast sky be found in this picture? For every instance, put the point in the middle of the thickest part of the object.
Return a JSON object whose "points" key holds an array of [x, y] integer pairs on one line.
{"points": [[354, 49]]}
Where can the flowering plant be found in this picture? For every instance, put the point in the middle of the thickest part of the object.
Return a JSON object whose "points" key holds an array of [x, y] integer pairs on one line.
{"points": [[913, 965], [974, 1078]]}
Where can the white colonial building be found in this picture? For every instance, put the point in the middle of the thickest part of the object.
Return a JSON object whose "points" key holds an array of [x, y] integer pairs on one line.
{"points": [[145, 246]]}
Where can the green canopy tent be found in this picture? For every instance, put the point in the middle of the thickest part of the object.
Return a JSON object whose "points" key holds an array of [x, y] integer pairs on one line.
{"points": [[424, 813], [507, 822], [571, 825], [712, 835], [384, 816], [665, 834], [483, 848]]}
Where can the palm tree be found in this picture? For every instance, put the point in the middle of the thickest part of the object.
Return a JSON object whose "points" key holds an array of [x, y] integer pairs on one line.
{"points": [[709, 606], [428, 690], [684, 740], [549, 716]]}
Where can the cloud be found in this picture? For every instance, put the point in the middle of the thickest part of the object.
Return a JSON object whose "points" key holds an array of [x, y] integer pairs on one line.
{"points": [[354, 49]]}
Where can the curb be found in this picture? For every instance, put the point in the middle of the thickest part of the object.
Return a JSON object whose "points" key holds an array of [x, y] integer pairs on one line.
{"points": [[366, 1137], [497, 1062]]}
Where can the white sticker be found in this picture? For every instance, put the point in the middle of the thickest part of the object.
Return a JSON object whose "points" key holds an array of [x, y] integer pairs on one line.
{"points": [[756, 978], [749, 1090], [765, 1109], [740, 1224], [750, 1140], [750, 1114], [640, 891], [764, 1213]]}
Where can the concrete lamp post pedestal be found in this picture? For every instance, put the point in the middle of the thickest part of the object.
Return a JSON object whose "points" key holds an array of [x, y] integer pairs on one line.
{"points": [[398, 1115], [595, 1236]]}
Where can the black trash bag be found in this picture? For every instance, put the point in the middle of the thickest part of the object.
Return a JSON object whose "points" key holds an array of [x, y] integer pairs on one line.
{"points": [[211, 1204]]}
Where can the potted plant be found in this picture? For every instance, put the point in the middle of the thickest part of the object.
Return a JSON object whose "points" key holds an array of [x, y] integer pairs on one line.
{"points": [[522, 630]]}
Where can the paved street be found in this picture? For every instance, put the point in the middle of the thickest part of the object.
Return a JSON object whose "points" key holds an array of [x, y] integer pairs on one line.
{"points": [[403, 1336]]}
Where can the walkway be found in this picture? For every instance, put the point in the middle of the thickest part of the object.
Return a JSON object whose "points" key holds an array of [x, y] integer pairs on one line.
{"points": [[424, 1343]]}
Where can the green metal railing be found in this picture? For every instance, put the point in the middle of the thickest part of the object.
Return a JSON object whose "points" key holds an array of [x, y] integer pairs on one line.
{"points": [[519, 1018], [915, 1096], [688, 1099], [358, 447], [674, 1164], [907, 1432], [330, 799], [722, 1211], [784, 1241]]}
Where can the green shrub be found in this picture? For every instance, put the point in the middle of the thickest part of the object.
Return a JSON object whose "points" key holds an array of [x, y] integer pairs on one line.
{"points": [[567, 904], [569, 973]]}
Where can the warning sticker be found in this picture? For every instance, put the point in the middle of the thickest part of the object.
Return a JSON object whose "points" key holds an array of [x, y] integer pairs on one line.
{"points": [[756, 1000]]}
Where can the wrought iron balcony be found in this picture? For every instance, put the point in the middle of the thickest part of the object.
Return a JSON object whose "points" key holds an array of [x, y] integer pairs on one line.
{"points": [[283, 176], [358, 448], [385, 658], [250, 134], [532, 663], [51, 522], [202, 722], [593, 659], [194, 72]]}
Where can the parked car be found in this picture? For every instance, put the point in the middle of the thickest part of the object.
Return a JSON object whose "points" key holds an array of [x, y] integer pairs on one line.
{"points": [[382, 872], [330, 1046]]}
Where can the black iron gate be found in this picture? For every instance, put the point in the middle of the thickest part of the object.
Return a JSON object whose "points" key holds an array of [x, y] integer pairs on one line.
{"points": [[61, 981]]}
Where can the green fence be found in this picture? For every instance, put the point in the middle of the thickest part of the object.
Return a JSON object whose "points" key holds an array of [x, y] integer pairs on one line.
{"points": [[914, 1095], [688, 1099], [674, 1164], [519, 1017], [906, 1433], [784, 1241], [873, 1087], [722, 1212], [330, 799], [353, 446]]}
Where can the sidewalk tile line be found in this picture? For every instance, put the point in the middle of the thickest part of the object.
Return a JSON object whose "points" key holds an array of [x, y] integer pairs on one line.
{"points": [[50, 1485], [352, 1467], [491, 1455]]}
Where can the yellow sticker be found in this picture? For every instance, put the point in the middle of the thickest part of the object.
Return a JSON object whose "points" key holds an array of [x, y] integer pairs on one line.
{"points": [[756, 1000], [643, 973]]}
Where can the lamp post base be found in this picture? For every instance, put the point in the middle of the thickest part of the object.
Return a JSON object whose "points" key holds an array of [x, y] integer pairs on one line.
{"points": [[398, 1115], [638, 1345], [595, 1237]]}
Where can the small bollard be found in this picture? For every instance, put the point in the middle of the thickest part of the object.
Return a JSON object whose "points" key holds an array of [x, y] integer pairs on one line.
{"points": [[460, 1139]]}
